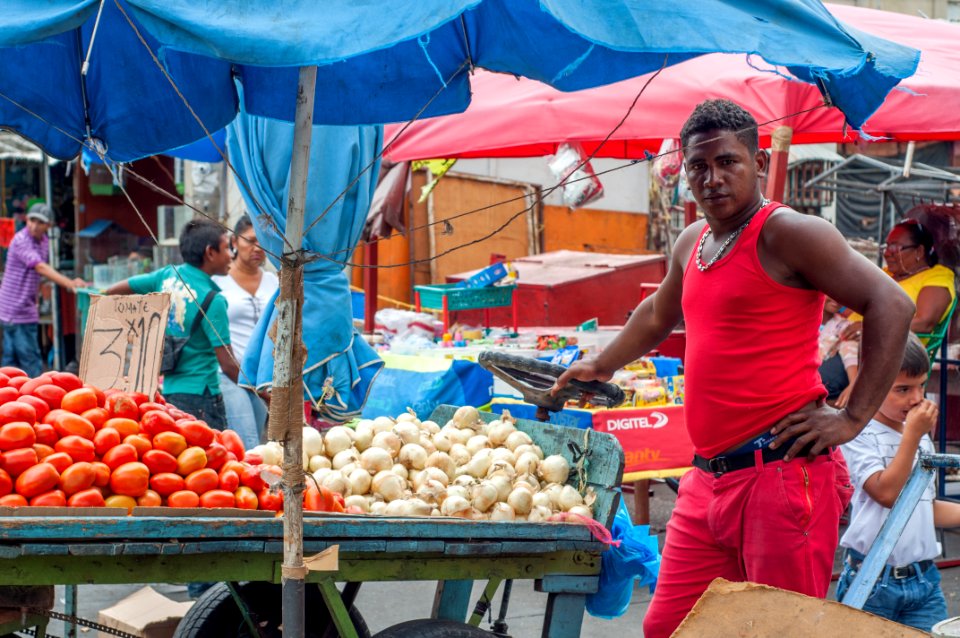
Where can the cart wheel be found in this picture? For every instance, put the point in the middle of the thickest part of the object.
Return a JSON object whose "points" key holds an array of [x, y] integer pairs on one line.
{"points": [[216, 615], [433, 628]]}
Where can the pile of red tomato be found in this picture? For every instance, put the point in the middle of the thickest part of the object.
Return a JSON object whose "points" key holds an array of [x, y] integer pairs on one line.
{"points": [[64, 443]]}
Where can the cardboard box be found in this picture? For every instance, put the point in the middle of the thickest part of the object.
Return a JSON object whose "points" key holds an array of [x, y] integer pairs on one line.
{"points": [[144, 613]]}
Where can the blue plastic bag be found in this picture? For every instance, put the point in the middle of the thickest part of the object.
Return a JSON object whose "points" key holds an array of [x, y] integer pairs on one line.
{"points": [[636, 559]]}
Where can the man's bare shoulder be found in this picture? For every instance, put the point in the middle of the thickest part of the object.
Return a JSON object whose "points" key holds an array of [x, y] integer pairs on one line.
{"points": [[785, 226], [683, 247]]}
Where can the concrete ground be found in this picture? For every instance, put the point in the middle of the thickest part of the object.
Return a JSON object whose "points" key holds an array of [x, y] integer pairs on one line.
{"points": [[385, 604]]}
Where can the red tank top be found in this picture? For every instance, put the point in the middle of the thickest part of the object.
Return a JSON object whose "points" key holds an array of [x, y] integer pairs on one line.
{"points": [[752, 355]]}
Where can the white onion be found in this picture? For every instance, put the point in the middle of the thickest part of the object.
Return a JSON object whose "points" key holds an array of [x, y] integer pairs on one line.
{"points": [[376, 459], [499, 431], [442, 441], [458, 490], [388, 441], [505, 455], [312, 442], [553, 490], [529, 480], [401, 471], [347, 469], [554, 469], [484, 496], [527, 463], [382, 424], [355, 500], [466, 416], [502, 468], [407, 431], [429, 427], [529, 448], [460, 454], [521, 500], [454, 505], [539, 514], [410, 416], [569, 497], [427, 443], [337, 439], [318, 475], [360, 481], [388, 485], [335, 481], [516, 439], [432, 491], [503, 485], [378, 508], [443, 462], [478, 442], [581, 510], [363, 435], [431, 474], [479, 464], [413, 456], [317, 462], [417, 507], [542, 499], [502, 512], [344, 457], [396, 508]]}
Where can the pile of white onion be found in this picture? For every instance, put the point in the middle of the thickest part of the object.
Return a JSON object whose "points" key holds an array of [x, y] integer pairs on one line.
{"points": [[467, 468]]}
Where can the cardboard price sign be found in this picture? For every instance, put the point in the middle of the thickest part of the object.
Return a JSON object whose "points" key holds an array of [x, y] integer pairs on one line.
{"points": [[123, 342]]}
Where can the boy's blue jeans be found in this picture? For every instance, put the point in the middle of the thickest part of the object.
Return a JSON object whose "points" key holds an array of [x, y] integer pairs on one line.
{"points": [[21, 349], [916, 601]]}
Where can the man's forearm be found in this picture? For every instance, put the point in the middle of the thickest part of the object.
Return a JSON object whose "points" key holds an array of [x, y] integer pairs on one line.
{"points": [[885, 328], [46, 270]]}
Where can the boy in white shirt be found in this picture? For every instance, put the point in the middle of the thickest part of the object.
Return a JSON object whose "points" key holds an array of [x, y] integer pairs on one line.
{"points": [[881, 459]]}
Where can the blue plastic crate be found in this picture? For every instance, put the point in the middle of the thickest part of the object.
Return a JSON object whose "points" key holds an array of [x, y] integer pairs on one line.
{"points": [[465, 298]]}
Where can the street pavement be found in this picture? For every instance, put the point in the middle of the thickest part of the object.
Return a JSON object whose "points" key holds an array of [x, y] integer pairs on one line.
{"points": [[385, 604]]}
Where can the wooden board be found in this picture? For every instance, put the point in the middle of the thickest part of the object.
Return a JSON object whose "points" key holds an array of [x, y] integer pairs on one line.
{"points": [[603, 465]]}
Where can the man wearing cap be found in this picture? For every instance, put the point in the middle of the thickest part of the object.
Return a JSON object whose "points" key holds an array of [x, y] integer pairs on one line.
{"points": [[26, 263]]}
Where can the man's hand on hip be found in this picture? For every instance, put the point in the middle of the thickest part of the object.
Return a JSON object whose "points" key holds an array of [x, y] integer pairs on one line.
{"points": [[814, 430]]}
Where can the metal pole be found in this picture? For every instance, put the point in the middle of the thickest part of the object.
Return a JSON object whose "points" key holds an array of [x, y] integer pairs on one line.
{"points": [[286, 409], [54, 259]]}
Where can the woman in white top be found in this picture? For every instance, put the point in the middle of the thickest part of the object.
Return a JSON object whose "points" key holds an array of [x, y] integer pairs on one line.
{"points": [[248, 289]]}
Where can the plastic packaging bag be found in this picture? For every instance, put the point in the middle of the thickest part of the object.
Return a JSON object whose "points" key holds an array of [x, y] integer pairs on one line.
{"points": [[580, 183], [636, 559]]}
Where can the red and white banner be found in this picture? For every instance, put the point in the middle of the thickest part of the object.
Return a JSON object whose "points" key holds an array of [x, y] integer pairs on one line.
{"points": [[653, 438]]}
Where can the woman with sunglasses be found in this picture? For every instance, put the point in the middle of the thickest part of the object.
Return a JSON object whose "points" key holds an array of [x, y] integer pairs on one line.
{"points": [[248, 288]]}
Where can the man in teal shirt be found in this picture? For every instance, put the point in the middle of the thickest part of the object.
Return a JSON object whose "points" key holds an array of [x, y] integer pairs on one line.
{"points": [[194, 385]]}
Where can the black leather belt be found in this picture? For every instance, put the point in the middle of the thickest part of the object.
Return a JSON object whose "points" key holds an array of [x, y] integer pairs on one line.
{"points": [[719, 465], [901, 572]]}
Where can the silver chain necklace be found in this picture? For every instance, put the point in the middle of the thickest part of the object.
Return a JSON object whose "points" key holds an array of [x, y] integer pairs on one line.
{"points": [[723, 247]]}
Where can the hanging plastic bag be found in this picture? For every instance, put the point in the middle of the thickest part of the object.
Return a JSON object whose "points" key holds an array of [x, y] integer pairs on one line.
{"points": [[580, 183], [637, 558]]}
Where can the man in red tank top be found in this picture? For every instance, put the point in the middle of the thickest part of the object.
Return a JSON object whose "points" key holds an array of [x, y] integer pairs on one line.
{"points": [[764, 500]]}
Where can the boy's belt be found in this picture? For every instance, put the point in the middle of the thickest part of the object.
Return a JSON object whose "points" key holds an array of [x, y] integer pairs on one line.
{"points": [[719, 465], [855, 559]]}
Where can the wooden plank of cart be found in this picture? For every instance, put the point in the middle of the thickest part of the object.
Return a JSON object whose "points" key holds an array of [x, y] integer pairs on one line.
{"points": [[246, 551]]}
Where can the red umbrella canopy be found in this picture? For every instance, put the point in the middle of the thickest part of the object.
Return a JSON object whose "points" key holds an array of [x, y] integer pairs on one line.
{"points": [[511, 117]]}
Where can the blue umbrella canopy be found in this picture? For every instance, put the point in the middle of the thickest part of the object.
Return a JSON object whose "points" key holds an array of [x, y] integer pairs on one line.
{"points": [[380, 62]]}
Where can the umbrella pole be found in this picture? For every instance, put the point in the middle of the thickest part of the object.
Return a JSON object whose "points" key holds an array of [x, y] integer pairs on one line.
{"points": [[286, 405]]}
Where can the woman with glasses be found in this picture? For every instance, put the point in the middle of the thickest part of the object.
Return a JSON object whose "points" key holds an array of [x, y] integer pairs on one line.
{"points": [[248, 288]]}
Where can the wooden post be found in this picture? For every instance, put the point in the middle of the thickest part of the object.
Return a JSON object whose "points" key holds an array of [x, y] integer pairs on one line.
{"points": [[286, 407], [370, 291], [689, 213], [779, 157]]}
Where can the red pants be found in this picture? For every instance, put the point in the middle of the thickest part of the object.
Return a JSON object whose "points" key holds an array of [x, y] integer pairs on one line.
{"points": [[775, 524]]}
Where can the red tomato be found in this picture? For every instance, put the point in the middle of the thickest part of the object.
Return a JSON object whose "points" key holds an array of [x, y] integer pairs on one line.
{"points": [[138, 397], [32, 384], [17, 411], [101, 397], [170, 442], [38, 479], [9, 393], [67, 381], [43, 451], [103, 474], [232, 457], [77, 477], [16, 434], [159, 461], [183, 498], [79, 448], [97, 416], [130, 479], [51, 415], [122, 406], [150, 499], [140, 442], [16, 461], [87, 498], [197, 433], [58, 460], [216, 456], [79, 401], [13, 500], [246, 498], [321, 499], [235, 466], [202, 481], [67, 424], [150, 406], [46, 434], [38, 404], [251, 458], [118, 500], [17, 382], [229, 480], [250, 477], [126, 427], [4, 380], [156, 421], [166, 483], [270, 502], [178, 415], [53, 498], [6, 483], [217, 498], [191, 460], [231, 440], [52, 394], [104, 440], [119, 455], [12, 372]]}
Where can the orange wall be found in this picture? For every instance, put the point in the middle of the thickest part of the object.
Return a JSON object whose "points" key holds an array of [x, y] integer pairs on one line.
{"points": [[594, 231]]}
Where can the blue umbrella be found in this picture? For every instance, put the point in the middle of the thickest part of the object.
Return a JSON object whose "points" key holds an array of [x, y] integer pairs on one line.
{"points": [[381, 62]]}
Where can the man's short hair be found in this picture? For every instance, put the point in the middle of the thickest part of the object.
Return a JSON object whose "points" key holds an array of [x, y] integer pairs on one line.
{"points": [[722, 115], [916, 361], [196, 236]]}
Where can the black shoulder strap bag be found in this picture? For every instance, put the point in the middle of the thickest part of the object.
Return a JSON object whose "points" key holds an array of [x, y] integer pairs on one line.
{"points": [[173, 346]]}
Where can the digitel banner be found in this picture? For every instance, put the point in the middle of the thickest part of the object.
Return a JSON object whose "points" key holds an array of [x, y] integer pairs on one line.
{"points": [[652, 438]]}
